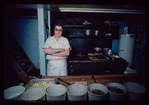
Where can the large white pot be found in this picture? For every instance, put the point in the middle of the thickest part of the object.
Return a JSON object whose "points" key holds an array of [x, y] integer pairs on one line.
{"points": [[96, 97], [14, 93]]}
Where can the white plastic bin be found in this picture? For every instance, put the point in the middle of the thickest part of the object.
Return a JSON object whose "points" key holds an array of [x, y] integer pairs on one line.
{"points": [[56, 93], [77, 92], [33, 94], [14, 93], [136, 91], [117, 96], [97, 97]]}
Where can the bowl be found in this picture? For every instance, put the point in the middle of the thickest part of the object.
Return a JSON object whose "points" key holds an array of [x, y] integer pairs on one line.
{"points": [[14, 93], [97, 97], [136, 91], [77, 92], [97, 49], [33, 94], [56, 93], [117, 95]]}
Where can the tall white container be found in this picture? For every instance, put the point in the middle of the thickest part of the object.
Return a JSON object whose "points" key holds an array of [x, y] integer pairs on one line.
{"points": [[126, 47]]}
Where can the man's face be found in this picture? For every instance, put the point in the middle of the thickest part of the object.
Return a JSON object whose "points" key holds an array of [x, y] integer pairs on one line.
{"points": [[58, 31]]}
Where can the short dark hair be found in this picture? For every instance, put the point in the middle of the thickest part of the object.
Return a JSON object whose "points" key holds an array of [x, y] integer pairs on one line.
{"points": [[58, 24]]}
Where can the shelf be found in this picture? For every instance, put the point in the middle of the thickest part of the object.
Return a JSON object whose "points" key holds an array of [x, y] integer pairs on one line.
{"points": [[95, 37], [75, 26], [89, 26]]}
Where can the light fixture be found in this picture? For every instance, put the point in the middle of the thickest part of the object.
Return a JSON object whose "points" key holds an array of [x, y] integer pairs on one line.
{"points": [[100, 10]]}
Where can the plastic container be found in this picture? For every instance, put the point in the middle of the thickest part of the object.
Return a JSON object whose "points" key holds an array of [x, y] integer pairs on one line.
{"points": [[97, 97], [56, 93], [14, 93], [33, 94], [50, 81], [117, 96], [77, 92], [136, 91]]}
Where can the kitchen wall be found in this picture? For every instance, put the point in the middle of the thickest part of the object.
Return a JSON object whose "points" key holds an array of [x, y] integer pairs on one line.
{"points": [[25, 32]]}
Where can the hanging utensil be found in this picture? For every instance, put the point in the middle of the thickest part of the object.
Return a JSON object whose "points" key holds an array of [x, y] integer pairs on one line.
{"points": [[63, 81], [94, 79]]}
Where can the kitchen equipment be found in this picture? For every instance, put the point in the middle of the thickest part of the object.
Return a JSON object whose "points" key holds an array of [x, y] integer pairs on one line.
{"points": [[97, 57], [56, 93], [14, 92], [63, 81], [126, 47], [109, 52], [97, 97], [114, 95], [33, 94], [96, 33], [39, 82], [108, 34], [108, 23], [94, 79], [87, 23], [77, 92], [97, 49], [88, 32], [136, 91], [105, 49]]}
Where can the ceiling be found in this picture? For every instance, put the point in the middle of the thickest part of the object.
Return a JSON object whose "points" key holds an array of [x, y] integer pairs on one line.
{"points": [[139, 9]]}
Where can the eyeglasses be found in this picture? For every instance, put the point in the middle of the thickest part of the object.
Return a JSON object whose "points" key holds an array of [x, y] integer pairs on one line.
{"points": [[58, 30]]}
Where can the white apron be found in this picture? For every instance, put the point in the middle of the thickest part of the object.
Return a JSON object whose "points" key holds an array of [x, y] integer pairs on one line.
{"points": [[57, 68]]}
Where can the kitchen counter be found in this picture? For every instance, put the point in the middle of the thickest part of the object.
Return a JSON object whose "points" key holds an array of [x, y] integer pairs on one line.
{"points": [[103, 79], [95, 61]]}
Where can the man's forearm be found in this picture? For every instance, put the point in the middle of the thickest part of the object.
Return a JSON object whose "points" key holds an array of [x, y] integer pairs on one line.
{"points": [[50, 51], [62, 54]]}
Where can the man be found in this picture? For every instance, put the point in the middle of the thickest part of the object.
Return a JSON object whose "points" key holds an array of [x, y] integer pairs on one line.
{"points": [[57, 49]]}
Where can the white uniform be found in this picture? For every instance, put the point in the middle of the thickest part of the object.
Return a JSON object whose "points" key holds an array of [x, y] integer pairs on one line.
{"points": [[57, 66]]}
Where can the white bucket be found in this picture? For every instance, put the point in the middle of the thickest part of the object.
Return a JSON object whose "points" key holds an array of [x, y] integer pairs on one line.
{"points": [[56, 93], [14, 93], [97, 97], [33, 94], [136, 91], [117, 96], [77, 92]]}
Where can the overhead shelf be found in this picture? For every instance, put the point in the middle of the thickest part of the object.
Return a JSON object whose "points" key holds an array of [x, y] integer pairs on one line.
{"points": [[94, 37], [89, 26]]}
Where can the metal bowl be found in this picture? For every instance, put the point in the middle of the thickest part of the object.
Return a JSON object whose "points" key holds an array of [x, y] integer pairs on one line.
{"points": [[97, 49], [88, 32]]}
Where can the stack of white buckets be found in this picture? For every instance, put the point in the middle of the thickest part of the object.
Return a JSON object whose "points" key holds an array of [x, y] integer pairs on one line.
{"points": [[76, 92]]}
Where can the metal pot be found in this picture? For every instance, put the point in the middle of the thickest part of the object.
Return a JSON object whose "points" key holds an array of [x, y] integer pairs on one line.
{"points": [[88, 32], [97, 49], [109, 52], [96, 32]]}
